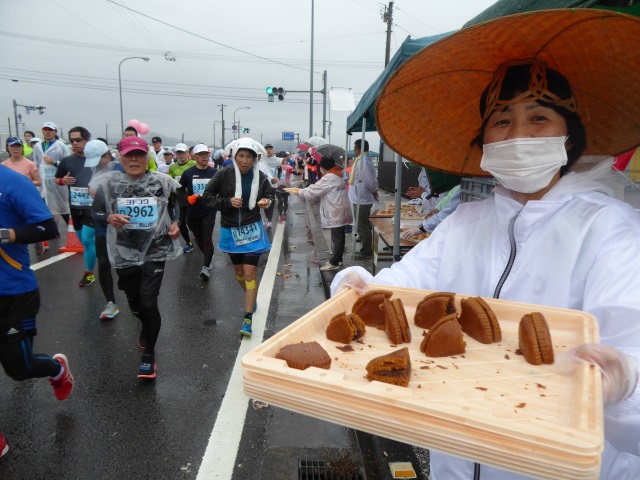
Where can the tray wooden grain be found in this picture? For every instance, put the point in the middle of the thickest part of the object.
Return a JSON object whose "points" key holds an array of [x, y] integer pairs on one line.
{"points": [[488, 405]]}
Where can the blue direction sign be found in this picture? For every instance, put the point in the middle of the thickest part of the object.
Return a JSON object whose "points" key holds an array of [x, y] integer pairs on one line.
{"points": [[288, 136]]}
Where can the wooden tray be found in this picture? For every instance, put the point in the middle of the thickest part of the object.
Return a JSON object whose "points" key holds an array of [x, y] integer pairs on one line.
{"points": [[488, 405], [407, 212]]}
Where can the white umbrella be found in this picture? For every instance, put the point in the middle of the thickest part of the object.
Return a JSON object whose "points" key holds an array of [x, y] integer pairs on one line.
{"points": [[317, 141]]}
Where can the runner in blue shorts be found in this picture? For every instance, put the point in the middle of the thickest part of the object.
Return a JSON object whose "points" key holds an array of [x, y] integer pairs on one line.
{"points": [[235, 192]]}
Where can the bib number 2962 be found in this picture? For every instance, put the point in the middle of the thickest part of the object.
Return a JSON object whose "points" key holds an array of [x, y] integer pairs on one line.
{"points": [[143, 212]]}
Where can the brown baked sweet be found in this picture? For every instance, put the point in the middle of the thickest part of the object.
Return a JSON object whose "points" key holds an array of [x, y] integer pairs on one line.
{"points": [[535, 339], [444, 339], [393, 368], [367, 307], [304, 355], [478, 320], [396, 325], [344, 328], [433, 307]]}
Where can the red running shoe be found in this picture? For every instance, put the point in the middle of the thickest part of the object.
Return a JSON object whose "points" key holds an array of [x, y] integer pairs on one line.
{"points": [[4, 448], [63, 386]]}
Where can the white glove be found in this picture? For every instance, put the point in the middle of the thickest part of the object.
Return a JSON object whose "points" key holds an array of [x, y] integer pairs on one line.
{"points": [[354, 281], [619, 370], [412, 232]]}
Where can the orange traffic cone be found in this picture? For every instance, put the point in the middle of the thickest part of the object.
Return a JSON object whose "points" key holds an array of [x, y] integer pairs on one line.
{"points": [[73, 242]]}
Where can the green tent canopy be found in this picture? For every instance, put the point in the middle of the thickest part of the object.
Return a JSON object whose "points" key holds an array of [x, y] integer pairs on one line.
{"points": [[510, 7], [368, 100]]}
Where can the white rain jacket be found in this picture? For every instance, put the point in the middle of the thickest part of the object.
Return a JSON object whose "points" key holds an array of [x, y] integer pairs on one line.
{"points": [[577, 248], [335, 209], [56, 196]]}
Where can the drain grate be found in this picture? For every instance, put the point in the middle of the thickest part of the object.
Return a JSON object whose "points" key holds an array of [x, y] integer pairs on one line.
{"points": [[322, 470]]}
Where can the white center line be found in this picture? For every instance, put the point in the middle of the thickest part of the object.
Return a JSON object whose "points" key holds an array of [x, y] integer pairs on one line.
{"points": [[219, 457], [51, 260]]}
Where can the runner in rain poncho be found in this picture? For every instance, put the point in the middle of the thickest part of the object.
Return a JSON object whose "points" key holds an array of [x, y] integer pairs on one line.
{"points": [[143, 229], [46, 156]]}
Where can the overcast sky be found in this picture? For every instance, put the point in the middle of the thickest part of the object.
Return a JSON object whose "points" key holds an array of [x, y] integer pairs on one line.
{"points": [[64, 54]]}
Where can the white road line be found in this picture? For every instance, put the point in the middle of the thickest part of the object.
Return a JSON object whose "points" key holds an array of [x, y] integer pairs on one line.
{"points": [[51, 260], [219, 457]]}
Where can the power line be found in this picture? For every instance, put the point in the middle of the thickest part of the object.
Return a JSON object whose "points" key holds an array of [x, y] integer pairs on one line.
{"points": [[210, 40], [415, 18], [206, 57], [171, 93]]}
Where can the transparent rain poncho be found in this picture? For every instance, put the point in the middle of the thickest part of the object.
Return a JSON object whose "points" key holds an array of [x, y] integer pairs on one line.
{"points": [[147, 201], [56, 196]]}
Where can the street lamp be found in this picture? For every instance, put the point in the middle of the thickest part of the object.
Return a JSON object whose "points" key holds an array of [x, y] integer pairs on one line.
{"points": [[120, 85], [234, 119]]}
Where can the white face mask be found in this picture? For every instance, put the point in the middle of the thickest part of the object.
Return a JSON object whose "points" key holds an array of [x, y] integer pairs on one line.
{"points": [[525, 165]]}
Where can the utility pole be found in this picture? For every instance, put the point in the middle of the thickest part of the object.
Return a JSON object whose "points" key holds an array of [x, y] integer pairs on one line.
{"points": [[106, 133], [311, 77], [324, 104], [222, 110], [387, 17]]}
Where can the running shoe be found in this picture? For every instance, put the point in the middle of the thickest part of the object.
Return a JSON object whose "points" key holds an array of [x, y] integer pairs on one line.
{"points": [[148, 367], [46, 245], [39, 248], [205, 273], [87, 279], [110, 311], [188, 248], [4, 448], [268, 226], [284, 217], [63, 385], [246, 328], [328, 267]]}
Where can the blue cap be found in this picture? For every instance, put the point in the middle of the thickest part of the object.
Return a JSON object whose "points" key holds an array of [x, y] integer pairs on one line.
{"points": [[14, 141]]}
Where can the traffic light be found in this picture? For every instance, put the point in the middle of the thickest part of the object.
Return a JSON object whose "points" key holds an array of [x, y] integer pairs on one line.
{"points": [[276, 92], [244, 130]]}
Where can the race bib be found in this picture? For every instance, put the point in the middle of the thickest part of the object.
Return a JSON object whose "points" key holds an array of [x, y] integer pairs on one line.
{"points": [[274, 172], [79, 197], [199, 184], [143, 212], [246, 234], [49, 171]]}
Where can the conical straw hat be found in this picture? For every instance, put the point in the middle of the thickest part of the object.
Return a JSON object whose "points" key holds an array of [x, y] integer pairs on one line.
{"points": [[428, 111]]}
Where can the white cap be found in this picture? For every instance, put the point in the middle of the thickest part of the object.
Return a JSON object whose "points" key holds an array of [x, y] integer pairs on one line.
{"points": [[35, 140], [50, 125], [93, 151], [201, 147], [167, 152], [181, 147]]}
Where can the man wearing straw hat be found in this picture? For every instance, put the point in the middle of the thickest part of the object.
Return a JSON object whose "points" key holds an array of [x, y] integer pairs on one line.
{"points": [[556, 102]]}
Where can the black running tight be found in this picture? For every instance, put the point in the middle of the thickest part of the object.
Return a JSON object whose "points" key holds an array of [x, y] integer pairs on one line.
{"points": [[145, 307], [20, 363], [104, 269]]}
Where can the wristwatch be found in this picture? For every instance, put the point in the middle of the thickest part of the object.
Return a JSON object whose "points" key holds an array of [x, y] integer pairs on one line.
{"points": [[5, 236]]}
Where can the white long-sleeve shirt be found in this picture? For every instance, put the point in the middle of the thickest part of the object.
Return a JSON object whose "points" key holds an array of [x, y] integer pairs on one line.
{"points": [[577, 248]]}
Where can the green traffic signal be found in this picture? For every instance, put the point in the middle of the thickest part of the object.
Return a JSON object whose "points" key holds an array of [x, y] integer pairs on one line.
{"points": [[270, 90]]}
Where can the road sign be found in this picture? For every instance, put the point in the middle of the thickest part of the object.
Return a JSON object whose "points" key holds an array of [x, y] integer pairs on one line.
{"points": [[288, 136], [234, 127]]}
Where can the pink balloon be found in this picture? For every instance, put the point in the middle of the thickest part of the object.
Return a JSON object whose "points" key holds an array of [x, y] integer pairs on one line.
{"points": [[144, 129], [135, 124]]}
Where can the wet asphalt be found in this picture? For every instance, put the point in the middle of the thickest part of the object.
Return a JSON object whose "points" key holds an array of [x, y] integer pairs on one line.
{"points": [[116, 426]]}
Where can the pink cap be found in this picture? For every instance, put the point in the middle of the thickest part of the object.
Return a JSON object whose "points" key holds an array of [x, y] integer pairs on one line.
{"points": [[129, 144]]}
